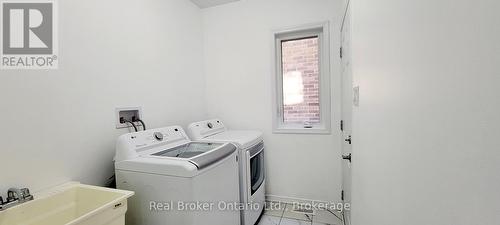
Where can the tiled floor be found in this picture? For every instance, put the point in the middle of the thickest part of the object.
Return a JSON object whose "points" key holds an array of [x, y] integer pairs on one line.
{"points": [[282, 214]]}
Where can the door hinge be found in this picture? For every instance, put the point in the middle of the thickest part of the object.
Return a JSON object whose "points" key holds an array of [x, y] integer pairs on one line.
{"points": [[348, 139], [341, 125], [341, 52], [342, 195]]}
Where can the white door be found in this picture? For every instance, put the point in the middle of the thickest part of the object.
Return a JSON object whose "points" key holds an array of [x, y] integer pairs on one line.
{"points": [[347, 104]]}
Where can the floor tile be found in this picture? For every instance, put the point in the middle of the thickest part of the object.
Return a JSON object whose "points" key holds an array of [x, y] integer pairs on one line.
{"points": [[290, 214], [326, 217], [274, 209], [269, 220], [287, 221]]}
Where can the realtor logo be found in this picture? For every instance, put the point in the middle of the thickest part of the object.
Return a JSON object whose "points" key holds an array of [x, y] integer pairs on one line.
{"points": [[28, 35]]}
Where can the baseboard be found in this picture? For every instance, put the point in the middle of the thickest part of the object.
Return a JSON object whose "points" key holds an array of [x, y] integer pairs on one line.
{"points": [[286, 199]]}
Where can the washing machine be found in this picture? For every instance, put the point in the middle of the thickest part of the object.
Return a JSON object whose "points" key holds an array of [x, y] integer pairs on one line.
{"points": [[251, 164], [178, 181]]}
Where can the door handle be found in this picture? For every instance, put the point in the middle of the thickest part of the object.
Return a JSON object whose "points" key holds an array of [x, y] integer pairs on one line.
{"points": [[348, 139], [347, 157]]}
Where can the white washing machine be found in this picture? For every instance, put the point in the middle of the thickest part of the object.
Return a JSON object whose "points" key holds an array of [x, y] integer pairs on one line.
{"points": [[177, 181], [251, 165]]}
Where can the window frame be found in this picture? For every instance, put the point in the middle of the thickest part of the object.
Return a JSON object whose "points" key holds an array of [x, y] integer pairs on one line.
{"points": [[321, 30]]}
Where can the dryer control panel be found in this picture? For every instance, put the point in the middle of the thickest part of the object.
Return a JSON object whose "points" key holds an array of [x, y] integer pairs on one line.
{"points": [[203, 129]]}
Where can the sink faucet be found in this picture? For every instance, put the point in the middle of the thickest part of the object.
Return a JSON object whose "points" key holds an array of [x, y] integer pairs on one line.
{"points": [[15, 196], [21, 195]]}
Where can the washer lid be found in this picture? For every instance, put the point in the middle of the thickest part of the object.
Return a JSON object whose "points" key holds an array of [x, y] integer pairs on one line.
{"points": [[188, 150], [243, 138], [201, 154], [178, 166]]}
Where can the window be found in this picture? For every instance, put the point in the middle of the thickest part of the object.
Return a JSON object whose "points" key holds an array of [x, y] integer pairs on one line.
{"points": [[302, 80]]}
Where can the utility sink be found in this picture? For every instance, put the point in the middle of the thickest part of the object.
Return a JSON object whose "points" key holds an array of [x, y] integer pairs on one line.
{"points": [[71, 204]]}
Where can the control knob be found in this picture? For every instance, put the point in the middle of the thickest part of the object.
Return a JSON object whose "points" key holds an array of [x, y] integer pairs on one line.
{"points": [[158, 136]]}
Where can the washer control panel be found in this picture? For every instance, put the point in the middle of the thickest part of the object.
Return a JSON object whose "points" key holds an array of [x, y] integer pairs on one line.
{"points": [[133, 145], [165, 135]]}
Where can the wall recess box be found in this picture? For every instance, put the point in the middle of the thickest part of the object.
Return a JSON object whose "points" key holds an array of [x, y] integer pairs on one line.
{"points": [[127, 113]]}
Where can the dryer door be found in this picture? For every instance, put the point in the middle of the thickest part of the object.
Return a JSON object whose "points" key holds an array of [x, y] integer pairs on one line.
{"points": [[256, 167]]}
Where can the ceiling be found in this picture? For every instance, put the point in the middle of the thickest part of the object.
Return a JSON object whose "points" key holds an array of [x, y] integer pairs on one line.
{"points": [[209, 3]]}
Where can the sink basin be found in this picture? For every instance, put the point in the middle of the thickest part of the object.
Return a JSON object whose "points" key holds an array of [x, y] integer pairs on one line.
{"points": [[71, 204]]}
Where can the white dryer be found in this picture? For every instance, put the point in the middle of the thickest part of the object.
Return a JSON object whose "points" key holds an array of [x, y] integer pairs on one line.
{"points": [[251, 165], [177, 181]]}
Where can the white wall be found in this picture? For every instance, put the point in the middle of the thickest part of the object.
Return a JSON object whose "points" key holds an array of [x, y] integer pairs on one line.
{"points": [[237, 53], [59, 125], [428, 125]]}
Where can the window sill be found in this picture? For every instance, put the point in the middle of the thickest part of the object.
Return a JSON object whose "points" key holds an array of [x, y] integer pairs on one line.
{"points": [[301, 130]]}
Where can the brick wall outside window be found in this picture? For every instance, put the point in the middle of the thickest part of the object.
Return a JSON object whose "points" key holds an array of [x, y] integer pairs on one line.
{"points": [[300, 59]]}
